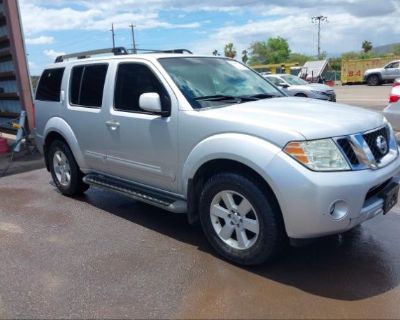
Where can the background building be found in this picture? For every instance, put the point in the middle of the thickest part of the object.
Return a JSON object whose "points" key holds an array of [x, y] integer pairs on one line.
{"points": [[15, 85]]}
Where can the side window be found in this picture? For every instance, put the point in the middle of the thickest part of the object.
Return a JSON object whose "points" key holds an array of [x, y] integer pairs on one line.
{"points": [[87, 85], [49, 87], [392, 65], [132, 80], [274, 80]]}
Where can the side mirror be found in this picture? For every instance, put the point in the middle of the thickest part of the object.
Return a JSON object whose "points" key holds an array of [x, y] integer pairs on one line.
{"points": [[150, 101], [283, 85]]}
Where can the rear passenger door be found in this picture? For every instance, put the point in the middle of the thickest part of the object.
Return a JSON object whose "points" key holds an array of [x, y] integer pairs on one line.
{"points": [[142, 146], [86, 113]]}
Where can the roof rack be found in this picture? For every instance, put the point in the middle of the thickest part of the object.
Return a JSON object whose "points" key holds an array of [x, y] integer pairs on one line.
{"points": [[87, 54], [118, 51], [161, 51]]}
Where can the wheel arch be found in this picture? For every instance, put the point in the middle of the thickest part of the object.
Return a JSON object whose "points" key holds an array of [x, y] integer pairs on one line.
{"points": [[220, 153], [57, 128]]}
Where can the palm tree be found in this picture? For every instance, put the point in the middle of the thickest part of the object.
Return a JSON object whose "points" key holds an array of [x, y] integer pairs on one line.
{"points": [[366, 46], [229, 50]]}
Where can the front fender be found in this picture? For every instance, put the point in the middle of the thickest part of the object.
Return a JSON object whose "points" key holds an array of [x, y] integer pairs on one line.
{"points": [[254, 152], [60, 126]]}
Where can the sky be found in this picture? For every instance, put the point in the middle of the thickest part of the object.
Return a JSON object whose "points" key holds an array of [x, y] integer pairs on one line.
{"points": [[64, 26]]}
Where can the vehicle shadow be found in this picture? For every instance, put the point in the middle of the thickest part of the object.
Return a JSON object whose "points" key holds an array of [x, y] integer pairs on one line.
{"points": [[350, 266]]}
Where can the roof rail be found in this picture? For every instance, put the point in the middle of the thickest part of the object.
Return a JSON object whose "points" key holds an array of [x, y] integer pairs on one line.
{"points": [[87, 54], [162, 51]]}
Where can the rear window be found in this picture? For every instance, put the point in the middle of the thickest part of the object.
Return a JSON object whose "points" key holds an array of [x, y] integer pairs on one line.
{"points": [[87, 85], [49, 87]]}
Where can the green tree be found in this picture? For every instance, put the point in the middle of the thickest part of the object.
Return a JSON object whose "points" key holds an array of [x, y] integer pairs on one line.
{"points": [[245, 57], [275, 50], [215, 52], [300, 58], [229, 50], [366, 46]]}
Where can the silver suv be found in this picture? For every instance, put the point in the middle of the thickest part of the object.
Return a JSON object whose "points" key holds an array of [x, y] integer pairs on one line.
{"points": [[388, 73], [210, 137]]}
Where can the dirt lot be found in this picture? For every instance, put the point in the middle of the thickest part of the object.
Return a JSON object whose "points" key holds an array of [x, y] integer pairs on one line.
{"points": [[106, 256]]}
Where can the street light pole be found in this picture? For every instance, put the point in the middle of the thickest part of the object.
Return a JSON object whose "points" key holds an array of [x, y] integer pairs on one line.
{"points": [[132, 26], [318, 20]]}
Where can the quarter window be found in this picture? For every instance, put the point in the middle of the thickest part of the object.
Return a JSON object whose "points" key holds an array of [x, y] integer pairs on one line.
{"points": [[49, 87], [87, 85], [134, 79]]}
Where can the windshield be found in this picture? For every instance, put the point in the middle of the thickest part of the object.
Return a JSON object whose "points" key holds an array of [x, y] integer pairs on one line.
{"points": [[293, 80], [210, 82]]}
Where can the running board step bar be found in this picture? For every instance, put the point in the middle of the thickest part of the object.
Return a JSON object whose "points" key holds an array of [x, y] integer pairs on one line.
{"points": [[138, 192]]}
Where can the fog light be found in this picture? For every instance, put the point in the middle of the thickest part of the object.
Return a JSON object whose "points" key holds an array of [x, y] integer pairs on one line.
{"points": [[338, 210]]}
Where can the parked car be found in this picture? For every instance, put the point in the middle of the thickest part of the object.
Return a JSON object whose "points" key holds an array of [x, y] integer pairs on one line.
{"points": [[392, 111], [298, 87], [377, 76], [209, 137]]}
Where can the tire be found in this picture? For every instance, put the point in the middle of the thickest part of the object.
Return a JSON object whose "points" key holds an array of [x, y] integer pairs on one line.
{"points": [[373, 80], [64, 170], [300, 95], [263, 242]]}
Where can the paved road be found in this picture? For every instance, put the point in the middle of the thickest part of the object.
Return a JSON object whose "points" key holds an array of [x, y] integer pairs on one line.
{"points": [[364, 96], [106, 256]]}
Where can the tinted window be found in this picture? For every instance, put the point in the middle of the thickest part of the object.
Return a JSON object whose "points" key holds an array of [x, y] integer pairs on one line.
{"points": [[50, 85], [76, 79], [87, 85], [133, 80]]}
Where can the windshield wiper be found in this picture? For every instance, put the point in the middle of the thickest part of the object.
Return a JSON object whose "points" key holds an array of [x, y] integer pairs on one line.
{"points": [[261, 96], [217, 97], [237, 99]]}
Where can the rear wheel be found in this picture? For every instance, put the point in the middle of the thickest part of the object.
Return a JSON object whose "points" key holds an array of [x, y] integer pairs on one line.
{"points": [[240, 220], [64, 169], [373, 80], [300, 95]]}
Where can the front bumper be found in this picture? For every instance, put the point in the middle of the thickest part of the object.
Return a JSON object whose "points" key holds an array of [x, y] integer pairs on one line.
{"points": [[326, 96], [305, 196]]}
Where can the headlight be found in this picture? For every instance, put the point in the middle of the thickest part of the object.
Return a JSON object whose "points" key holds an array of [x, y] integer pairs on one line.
{"points": [[318, 155], [319, 93]]}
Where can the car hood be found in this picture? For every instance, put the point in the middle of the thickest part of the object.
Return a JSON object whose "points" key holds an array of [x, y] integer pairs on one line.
{"points": [[312, 86], [286, 118], [373, 70]]}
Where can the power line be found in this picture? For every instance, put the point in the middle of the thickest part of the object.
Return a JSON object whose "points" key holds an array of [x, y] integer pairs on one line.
{"points": [[318, 20], [132, 26]]}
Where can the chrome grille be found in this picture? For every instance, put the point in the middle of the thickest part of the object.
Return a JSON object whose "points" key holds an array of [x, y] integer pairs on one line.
{"points": [[344, 143], [362, 151], [370, 139]]}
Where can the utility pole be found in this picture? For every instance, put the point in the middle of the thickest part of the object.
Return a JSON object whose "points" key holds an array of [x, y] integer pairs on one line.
{"points": [[132, 26], [318, 20], [113, 35]]}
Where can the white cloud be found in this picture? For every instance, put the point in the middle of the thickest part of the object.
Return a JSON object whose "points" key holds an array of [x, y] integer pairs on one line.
{"points": [[52, 54], [36, 17], [344, 32], [40, 40]]}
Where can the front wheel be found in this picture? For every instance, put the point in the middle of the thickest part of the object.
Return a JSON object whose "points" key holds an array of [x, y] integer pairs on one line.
{"points": [[240, 219], [373, 80]]}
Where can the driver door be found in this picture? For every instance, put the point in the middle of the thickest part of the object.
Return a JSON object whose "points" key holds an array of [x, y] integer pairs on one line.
{"points": [[141, 146]]}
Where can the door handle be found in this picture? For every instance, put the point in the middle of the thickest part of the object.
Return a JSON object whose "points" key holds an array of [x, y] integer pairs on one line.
{"points": [[113, 125]]}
